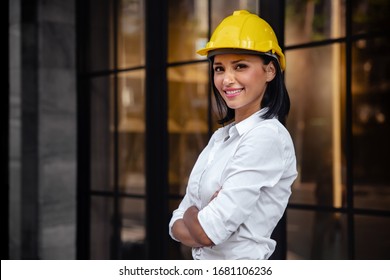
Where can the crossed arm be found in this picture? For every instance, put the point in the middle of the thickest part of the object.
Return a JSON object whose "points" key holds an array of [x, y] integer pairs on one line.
{"points": [[189, 231]]}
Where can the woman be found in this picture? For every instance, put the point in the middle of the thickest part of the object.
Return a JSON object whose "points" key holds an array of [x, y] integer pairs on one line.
{"points": [[240, 185]]}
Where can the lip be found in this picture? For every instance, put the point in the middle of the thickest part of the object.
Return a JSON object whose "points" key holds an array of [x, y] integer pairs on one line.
{"points": [[233, 92]]}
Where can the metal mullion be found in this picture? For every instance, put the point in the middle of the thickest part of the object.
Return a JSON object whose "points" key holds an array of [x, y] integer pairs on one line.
{"points": [[116, 221], [326, 42], [187, 62], [344, 210], [273, 12], [83, 135], [321, 43], [209, 88], [121, 194], [100, 73], [349, 134], [156, 104]]}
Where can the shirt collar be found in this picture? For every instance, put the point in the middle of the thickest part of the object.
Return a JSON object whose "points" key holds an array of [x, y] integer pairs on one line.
{"points": [[245, 125], [223, 132], [241, 127]]}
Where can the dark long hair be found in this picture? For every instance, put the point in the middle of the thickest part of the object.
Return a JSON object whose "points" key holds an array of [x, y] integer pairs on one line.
{"points": [[275, 98]]}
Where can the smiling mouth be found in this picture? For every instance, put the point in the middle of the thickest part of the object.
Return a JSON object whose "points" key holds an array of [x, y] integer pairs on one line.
{"points": [[233, 93]]}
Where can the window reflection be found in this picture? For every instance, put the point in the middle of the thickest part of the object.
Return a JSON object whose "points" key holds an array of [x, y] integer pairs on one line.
{"points": [[101, 132], [372, 237], [187, 121], [322, 236], [222, 9], [132, 219], [371, 125], [188, 24], [100, 36], [316, 80], [187, 29], [131, 130], [313, 81], [131, 33], [370, 16], [101, 232], [308, 21]]}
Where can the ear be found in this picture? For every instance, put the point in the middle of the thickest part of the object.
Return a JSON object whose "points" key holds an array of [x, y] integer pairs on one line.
{"points": [[270, 71]]}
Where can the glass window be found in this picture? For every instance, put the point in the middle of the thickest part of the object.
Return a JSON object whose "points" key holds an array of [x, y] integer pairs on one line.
{"points": [[372, 237], [101, 228], [308, 21], [370, 16], [131, 127], [100, 36], [315, 235], [131, 33], [313, 79], [223, 8], [187, 121], [371, 123], [187, 29], [131, 222], [101, 133], [132, 217]]}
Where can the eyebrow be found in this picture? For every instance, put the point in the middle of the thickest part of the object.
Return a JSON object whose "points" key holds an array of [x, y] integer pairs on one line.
{"points": [[233, 62]]}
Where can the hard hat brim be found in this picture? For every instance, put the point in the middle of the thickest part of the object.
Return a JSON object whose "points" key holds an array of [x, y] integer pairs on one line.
{"points": [[210, 52]]}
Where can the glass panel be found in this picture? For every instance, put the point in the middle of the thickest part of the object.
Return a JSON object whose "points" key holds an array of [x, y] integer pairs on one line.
{"points": [[313, 79], [187, 28], [316, 235], [224, 8], [101, 228], [131, 126], [101, 139], [132, 213], [131, 33], [100, 36], [132, 217], [371, 123], [372, 237], [308, 21], [187, 121], [370, 16]]}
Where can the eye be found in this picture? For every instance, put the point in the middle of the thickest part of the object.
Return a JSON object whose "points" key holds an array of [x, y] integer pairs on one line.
{"points": [[240, 66], [218, 69]]}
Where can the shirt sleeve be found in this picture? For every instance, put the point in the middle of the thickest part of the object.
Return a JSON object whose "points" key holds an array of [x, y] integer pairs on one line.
{"points": [[179, 213], [258, 162]]}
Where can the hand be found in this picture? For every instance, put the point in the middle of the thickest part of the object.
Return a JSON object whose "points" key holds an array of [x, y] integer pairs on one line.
{"points": [[180, 232], [190, 219]]}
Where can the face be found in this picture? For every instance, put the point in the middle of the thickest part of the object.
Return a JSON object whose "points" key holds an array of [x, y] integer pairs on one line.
{"points": [[241, 79]]}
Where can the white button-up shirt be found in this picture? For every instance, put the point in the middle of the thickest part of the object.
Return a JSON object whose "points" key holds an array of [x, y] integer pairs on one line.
{"points": [[254, 162]]}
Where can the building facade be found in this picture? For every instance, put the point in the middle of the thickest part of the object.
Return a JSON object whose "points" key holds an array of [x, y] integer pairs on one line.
{"points": [[109, 106]]}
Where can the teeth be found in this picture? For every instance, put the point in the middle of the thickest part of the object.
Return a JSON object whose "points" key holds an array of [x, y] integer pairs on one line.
{"points": [[233, 91]]}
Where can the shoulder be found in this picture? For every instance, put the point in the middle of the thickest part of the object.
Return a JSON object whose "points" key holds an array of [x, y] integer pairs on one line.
{"points": [[269, 131], [271, 127]]}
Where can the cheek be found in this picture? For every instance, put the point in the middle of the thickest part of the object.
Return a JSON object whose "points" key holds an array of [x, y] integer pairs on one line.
{"points": [[218, 82], [256, 80]]}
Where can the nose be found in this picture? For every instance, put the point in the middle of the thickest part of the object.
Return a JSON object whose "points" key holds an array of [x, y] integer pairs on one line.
{"points": [[228, 78]]}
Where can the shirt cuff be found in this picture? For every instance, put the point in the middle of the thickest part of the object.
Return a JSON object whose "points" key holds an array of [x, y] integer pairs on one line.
{"points": [[212, 226]]}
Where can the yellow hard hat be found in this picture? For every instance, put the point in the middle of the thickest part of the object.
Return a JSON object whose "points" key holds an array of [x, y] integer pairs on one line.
{"points": [[245, 31]]}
